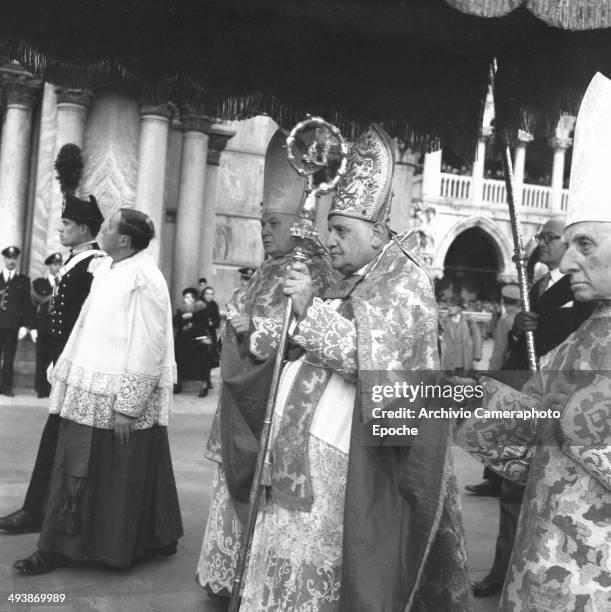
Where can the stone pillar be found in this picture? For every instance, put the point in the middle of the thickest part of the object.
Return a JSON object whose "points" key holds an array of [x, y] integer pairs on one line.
{"points": [[405, 165], [477, 178], [431, 175], [72, 106], [218, 136], [190, 200], [519, 158], [153, 145], [559, 145], [19, 88]]}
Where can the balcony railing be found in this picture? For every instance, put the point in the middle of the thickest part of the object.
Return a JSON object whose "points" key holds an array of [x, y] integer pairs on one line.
{"points": [[538, 197], [455, 186]]}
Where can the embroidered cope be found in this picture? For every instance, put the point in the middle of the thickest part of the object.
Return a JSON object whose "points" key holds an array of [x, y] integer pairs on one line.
{"points": [[561, 558]]}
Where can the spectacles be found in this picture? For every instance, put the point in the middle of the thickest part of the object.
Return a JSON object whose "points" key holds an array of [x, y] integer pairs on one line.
{"points": [[546, 237]]}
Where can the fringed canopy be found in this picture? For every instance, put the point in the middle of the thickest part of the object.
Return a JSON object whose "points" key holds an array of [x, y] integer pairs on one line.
{"points": [[420, 67]]}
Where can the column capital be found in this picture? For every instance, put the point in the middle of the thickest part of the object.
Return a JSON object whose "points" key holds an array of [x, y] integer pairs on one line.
{"points": [[560, 144], [74, 97], [192, 122], [218, 137], [524, 137], [157, 111], [19, 87]]}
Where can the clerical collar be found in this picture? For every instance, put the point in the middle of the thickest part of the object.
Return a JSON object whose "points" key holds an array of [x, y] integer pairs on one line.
{"points": [[85, 246]]}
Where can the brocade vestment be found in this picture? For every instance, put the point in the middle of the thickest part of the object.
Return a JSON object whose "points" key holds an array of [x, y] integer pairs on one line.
{"points": [[561, 559], [242, 360], [346, 526]]}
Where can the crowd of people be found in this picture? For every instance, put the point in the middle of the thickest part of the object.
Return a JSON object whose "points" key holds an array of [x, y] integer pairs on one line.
{"points": [[347, 523]]}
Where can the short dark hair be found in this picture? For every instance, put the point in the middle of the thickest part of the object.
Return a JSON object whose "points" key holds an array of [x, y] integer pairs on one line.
{"points": [[138, 226], [194, 292]]}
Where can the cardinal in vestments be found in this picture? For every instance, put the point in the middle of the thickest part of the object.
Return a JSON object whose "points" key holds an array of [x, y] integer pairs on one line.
{"points": [[561, 558], [351, 524]]}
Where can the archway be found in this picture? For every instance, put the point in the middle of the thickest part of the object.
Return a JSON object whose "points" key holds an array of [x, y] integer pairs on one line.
{"points": [[471, 267]]}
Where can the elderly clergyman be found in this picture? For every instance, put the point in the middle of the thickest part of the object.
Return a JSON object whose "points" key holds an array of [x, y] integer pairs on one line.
{"points": [[254, 317], [562, 552], [112, 496], [347, 526]]}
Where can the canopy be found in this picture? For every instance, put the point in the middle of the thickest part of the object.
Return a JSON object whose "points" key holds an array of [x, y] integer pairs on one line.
{"points": [[421, 67]]}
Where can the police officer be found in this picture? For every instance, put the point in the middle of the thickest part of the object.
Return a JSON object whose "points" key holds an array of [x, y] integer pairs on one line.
{"points": [[245, 275], [42, 296], [81, 221], [15, 314]]}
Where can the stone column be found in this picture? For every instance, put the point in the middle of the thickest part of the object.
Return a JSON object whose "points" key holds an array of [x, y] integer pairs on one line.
{"points": [[519, 158], [431, 175], [405, 165], [477, 178], [559, 145], [190, 200], [72, 106], [218, 136], [154, 130], [18, 88]]}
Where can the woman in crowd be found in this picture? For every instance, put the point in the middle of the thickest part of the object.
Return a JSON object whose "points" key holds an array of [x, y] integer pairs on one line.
{"points": [[193, 341], [213, 322]]}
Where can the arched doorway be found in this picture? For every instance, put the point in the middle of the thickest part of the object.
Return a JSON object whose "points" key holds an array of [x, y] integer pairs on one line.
{"points": [[471, 267]]}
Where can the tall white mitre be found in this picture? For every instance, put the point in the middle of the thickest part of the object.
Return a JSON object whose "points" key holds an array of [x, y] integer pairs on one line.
{"points": [[590, 185]]}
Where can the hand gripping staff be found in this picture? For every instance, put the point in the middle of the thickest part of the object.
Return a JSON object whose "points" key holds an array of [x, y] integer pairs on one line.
{"points": [[327, 142]]}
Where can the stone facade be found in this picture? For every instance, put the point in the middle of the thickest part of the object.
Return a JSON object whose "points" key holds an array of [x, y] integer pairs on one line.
{"points": [[202, 183]]}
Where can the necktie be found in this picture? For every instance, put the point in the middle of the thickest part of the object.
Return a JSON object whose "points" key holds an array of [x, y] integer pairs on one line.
{"points": [[544, 284]]}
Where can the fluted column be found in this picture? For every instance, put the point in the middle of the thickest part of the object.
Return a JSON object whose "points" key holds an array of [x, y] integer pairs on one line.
{"points": [[519, 159], [559, 145], [72, 107], [152, 150], [405, 165], [190, 200], [218, 136], [477, 178], [19, 89], [431, 174]]}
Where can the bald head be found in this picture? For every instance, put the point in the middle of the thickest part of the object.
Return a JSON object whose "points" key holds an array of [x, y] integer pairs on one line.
{"points": [[551, 247], [555, 225]]}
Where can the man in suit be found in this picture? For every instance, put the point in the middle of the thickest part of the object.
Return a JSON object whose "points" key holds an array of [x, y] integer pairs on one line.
{"points": [[553, 316], [42, 297], [81, 221], [460, 339], [15, 314]]}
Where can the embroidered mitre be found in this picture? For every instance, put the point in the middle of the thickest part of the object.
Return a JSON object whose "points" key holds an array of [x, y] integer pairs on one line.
{"points": [[365, 191]]}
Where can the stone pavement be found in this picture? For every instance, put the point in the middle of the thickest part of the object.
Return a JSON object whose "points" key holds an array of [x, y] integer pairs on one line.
{"points": [[165, 585]]}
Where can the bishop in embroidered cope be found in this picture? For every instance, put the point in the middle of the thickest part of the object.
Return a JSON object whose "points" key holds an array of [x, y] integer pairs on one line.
{"points": [[346, 526]]}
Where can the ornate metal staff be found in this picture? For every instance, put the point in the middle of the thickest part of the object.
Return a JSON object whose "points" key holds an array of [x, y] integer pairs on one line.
{"points": [[519, 256], [302, 232]]}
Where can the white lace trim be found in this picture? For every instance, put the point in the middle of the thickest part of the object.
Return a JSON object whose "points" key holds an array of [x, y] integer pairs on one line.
{"points": [[91, 398]]}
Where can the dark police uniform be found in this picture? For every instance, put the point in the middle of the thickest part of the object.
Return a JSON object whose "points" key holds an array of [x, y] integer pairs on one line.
{"points": [[42, 294], [15, 312], [42, 298], [71, 292], [66, 305]]}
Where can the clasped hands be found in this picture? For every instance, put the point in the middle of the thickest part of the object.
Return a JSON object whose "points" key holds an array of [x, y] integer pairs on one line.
{"points": [[297, 285]]}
